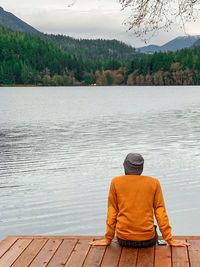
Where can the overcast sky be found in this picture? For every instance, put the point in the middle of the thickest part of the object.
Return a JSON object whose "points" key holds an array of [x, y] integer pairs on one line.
{"points": [[86, 19]]}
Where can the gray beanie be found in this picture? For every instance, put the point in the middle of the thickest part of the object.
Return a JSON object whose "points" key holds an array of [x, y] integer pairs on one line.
{"points": [[133, 164]]}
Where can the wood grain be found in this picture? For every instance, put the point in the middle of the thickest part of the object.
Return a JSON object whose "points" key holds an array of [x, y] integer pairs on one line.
{"points": [[145, 257], [75, 251], [95, 256], [46, 253], [128, 257], [112, 255], [63, 253], [29, 253], [194, 252], [6, 244], [79, 253], [14, 252], [163, 256], [180, 257]]}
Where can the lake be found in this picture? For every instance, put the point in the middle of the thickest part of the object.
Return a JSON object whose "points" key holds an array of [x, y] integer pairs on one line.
{"points": [[61, 146]]}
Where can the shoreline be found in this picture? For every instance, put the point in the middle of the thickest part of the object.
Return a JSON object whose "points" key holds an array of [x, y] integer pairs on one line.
{"points": [[121, 85]]}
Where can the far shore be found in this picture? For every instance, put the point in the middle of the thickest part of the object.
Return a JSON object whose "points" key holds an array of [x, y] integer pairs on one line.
{"points": [[91, 85]]}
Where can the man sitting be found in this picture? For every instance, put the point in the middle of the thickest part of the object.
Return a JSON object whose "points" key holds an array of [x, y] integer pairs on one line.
{"points": [[133, 201]]}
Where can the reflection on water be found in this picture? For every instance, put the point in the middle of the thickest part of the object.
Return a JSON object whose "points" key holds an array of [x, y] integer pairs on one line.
{"points": [[57, 161]]}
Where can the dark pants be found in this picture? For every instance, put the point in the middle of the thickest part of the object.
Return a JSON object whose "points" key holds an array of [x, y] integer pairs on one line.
{"points": [[139, 244]]}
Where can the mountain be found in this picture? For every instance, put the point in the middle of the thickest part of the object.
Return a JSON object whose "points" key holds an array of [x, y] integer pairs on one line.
{"points": [[27, 59], [173, 45], [197, 43], [9, 20], [97, 50], [149, 48]]}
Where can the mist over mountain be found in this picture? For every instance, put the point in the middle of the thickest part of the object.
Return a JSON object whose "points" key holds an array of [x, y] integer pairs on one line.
{"points": [[10, 21], [173, 45]]}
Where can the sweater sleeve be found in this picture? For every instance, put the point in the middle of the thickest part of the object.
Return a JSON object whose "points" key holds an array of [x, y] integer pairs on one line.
{"points": [[161, 215], [111, 214]]}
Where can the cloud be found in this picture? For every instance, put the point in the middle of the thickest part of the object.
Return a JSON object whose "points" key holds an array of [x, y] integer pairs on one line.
{"points": [[78, 21], [86, 19], [193, 28]]}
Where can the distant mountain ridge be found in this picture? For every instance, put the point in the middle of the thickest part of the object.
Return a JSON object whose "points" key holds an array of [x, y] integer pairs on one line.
{"points": [[27, 59], [173, 45], [10, 21], [197, 43], [98, 49], [93, 49]]}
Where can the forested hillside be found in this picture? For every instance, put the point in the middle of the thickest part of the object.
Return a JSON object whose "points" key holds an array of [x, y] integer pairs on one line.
{"points": [[93, 49], [174, 68], [25, 59], [28, 59]]}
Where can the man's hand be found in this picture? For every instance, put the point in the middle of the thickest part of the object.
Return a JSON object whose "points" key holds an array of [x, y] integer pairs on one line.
{"points": [[180, 244], [99, 243]]}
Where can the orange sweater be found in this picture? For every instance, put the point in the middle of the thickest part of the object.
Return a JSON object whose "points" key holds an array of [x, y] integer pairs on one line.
{"points": [[132, 203]]}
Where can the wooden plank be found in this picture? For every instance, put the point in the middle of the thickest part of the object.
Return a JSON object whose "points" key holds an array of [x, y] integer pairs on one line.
{"points": [[112, 255], [194, 252], [58, 237], [163, 256], [79, 253], [180, 257], [128, 257], [46, 253], [186, 237], [145, 257], [94, 256], [6, 244], [92, 237], [29, 253], [21, 252], [13, 253], [62, 254]]}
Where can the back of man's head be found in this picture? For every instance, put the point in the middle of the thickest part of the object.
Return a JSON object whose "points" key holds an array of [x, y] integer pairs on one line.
{"points": [[133, 164]]}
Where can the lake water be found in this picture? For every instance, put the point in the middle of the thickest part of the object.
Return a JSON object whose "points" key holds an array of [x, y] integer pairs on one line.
{"points": [[60, 148]]}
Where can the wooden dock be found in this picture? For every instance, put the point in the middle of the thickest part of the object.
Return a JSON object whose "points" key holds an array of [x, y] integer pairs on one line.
{"points": [[75, 251]]}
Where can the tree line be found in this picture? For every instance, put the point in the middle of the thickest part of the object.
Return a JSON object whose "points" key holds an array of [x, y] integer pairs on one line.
{"points": [[28, 59], [173, 68]]}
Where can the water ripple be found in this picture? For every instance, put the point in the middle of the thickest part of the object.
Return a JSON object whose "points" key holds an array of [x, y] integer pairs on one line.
{"points": [[56, 166]]}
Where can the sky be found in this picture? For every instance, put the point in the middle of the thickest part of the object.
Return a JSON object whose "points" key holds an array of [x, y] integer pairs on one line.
{"points": [[86, 19]]}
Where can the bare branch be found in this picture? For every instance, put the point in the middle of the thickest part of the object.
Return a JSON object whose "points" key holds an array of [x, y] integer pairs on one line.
{"points": [[70, 3], [149, 16]]}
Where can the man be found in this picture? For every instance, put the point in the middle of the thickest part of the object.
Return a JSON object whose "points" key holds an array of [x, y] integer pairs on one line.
{"points": [[133, 201]]}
